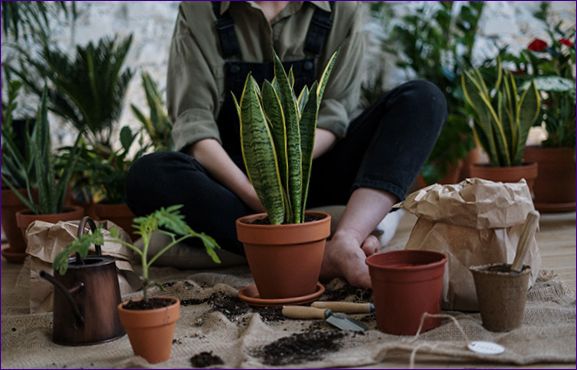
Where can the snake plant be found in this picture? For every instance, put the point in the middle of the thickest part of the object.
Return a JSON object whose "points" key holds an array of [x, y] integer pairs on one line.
{"points": [[503, 115], [277, 132]]}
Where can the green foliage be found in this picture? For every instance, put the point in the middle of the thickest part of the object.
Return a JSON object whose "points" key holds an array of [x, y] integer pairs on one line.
{"points": [[87, 91], [277, 136], [39, 165], [551, 65], [16, 163], [168, 221], [30, 19], [157, 124], [436, 44], [503, 114], [101, 175]]}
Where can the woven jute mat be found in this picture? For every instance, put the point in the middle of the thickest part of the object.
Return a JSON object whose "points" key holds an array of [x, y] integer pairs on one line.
{"points": [[217, 329]]}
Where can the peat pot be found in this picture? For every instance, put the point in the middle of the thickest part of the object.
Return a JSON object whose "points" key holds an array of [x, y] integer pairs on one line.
{"points": [[285, 260], [406, 284], [85, 299], [151, 331], [502, 295]]}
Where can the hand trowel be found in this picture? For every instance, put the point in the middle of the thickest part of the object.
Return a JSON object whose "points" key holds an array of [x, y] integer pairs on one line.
{"points": [[335, 319]]}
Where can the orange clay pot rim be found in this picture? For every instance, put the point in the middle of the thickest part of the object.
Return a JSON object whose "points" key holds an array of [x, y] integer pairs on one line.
{"points": [[256, 216], [151, 311], [488, 165], [425, 266], [70, 209]]}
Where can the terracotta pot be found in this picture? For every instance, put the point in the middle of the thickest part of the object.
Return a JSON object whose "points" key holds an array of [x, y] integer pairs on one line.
{"points": [[120, 214], [555, 186], [527, 171], [285, 260], [406, 284], [16, 252], [25, 217], [501, 295], [474, 156], [151, 331]]}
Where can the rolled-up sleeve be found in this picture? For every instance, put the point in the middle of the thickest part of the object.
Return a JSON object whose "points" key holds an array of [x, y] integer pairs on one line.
{"points": [[342, 94], [192, 92]]}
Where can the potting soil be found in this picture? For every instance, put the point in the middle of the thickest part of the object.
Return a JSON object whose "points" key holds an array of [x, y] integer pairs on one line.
{"points": [[214, 325]]}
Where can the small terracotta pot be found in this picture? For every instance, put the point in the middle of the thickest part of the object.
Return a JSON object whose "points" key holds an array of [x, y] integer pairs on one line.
{"points": [[406, 284], [527, 171], [555, 186], [502, 295], [151, 331], [285, 260], [120, 214], [25, 217], [16, 252]]}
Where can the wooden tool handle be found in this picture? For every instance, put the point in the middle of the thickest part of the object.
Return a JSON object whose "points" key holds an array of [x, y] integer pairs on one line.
{"points": [[303, 312], [345, 307], [529, 228]]}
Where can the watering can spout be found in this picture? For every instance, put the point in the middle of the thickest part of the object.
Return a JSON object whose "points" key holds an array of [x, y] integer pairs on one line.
{"points": [[67, 293]]}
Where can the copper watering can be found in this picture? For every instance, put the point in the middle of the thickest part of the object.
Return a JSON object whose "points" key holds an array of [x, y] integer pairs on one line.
{"points": [[86, 298]]}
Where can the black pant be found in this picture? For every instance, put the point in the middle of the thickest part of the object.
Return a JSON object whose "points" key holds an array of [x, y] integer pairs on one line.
{"points": [[384, 149]]}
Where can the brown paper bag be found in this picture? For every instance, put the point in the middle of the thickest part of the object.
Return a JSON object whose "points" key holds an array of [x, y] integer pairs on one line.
{"points": [[475, 222], [46, 240]]}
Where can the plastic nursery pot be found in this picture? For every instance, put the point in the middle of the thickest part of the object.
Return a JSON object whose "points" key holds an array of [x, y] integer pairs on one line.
{"points": [[151, 331], [406, 284], [285, 260], [25, 217], [502, 295]]}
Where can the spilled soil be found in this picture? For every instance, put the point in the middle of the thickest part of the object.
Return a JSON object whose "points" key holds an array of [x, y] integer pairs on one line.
{"points": [[205, 359]]}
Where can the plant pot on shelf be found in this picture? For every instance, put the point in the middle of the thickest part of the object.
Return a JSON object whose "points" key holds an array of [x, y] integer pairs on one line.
{"points": [[555, 186], [26, 217], [406, 284], [526, 171], [16, 250], [151, 331], [120, 214], [285, 260]]}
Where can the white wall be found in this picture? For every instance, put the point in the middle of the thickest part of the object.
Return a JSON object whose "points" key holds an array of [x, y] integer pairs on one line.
{"points": [[152, 23]]}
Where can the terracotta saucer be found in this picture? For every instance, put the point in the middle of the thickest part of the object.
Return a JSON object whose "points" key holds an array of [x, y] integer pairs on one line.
{"points": [[250, 295]]}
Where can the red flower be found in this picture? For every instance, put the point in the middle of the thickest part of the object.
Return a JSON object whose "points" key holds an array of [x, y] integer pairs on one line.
{"points": [[566, 42], [537, 45]]}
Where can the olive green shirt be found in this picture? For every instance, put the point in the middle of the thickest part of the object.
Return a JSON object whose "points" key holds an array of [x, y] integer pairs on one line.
{"points": [[195, 82]]}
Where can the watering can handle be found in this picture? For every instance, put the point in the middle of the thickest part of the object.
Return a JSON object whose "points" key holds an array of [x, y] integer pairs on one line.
{"points": [[67, 293], [81, 226]]}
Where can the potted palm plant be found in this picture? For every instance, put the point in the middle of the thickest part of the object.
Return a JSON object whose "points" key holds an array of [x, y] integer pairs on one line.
{"points": [[284, 246], [503, 116], [149, 322], [51, 184]]}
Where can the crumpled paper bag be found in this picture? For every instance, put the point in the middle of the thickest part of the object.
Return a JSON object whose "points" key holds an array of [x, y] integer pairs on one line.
{"points": [[475, 222], [46, 240]]}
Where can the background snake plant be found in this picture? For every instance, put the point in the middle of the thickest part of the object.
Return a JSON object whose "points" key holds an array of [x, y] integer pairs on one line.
{"points": [[277, 133]]}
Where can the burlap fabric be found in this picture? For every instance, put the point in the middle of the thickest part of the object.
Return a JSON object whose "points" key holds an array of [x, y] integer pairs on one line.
{"points": [[241, 336]]}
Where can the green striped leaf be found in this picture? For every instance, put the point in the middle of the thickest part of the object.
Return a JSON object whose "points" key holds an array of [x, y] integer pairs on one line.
{"points": [[259, 154], [308, 125], [294, 153], [527, 111], [275, 118], [325, 76]]}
